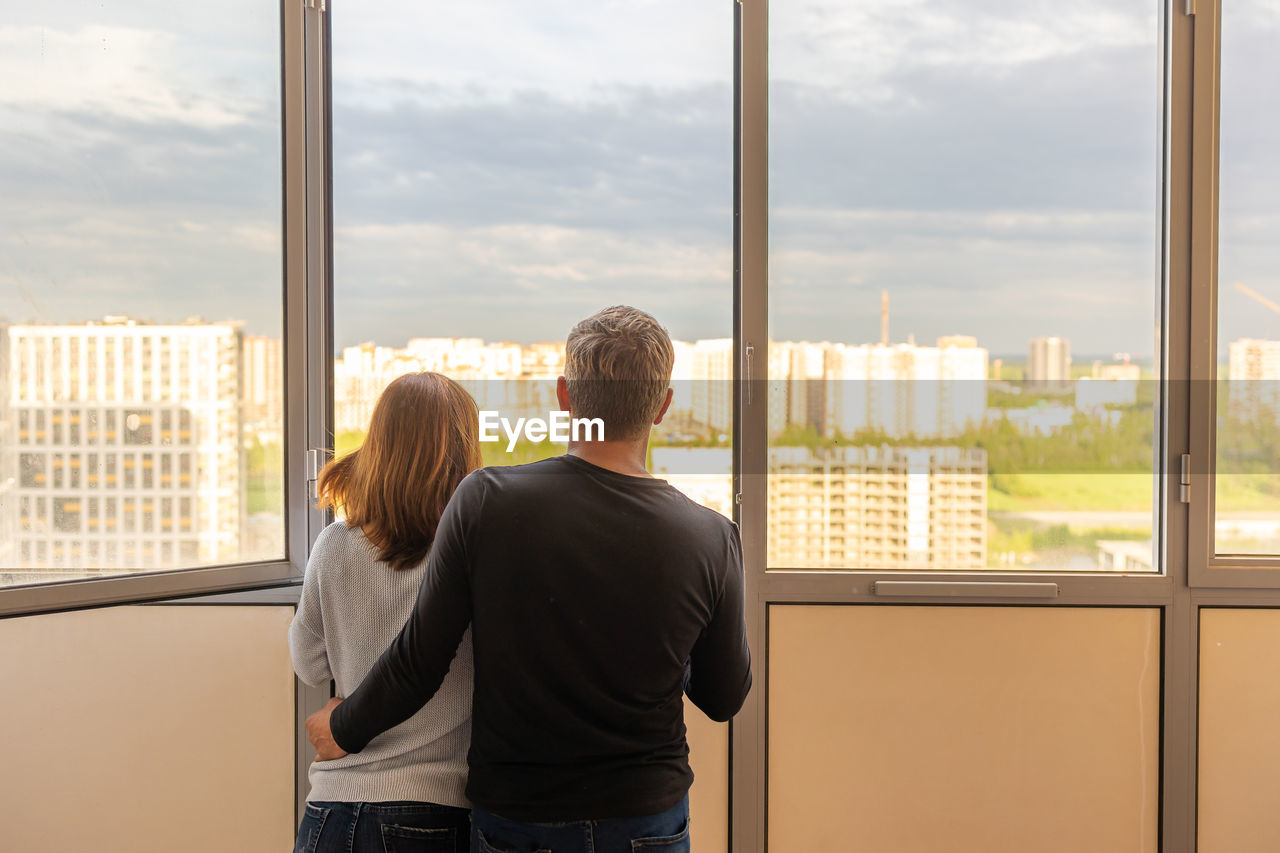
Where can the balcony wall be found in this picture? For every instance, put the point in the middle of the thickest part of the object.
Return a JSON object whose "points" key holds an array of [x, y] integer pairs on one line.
{"points": [[992, 730], [164, 728], [138, 729], [1239, 764]]}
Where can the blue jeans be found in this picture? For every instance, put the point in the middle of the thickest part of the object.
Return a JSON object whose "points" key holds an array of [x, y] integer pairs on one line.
{"points": [[667, 832], [383, 828]]}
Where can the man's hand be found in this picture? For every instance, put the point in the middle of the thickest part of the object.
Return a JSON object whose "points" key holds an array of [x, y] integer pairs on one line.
{"points": [[319, 734]]}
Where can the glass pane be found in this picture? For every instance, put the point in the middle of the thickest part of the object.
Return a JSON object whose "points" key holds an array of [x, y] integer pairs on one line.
{"points": [[140, 288], [964, 282], [1247, 499], [503, 170]]}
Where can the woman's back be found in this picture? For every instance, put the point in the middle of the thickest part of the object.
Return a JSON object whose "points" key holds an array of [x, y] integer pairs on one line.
{"points": [[352, 607]]}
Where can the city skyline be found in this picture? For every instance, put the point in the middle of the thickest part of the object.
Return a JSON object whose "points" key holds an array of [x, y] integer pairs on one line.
{"points": [[121, 431], [1016, 353]]}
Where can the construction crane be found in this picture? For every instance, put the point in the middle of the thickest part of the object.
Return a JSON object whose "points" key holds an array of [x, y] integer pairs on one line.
{"points": [[1253, 294]]}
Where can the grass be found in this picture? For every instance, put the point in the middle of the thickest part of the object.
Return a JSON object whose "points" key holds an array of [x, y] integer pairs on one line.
{"points": [[1103, 491], [1069, 491], [264, 479], [264, 494], [1248, 493]]}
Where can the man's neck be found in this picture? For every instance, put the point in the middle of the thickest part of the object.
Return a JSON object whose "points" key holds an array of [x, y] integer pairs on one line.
{"points": [[624, 457]]}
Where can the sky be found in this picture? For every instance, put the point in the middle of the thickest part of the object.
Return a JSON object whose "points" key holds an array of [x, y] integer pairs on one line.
{"points": [[502, 169]]}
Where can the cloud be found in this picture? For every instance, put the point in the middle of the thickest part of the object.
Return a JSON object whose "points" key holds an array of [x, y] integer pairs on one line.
{"points": [[131, 73], [862, 51], [77, 264], [642, 159], [503, 168], [461, 53], [518, 282]]}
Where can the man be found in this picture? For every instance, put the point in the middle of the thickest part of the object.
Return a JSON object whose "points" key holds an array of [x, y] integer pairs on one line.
{"points": [[597, 596]]}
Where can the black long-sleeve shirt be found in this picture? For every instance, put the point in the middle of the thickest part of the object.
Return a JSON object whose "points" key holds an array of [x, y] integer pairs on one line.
{"points": [[596, 599]]}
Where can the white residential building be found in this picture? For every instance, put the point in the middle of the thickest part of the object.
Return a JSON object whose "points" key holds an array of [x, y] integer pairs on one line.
{"points": [[1253, 373], [127, 444], [904, 389], [263, 385], [877, 507], [516, 380], [1049, 363], [854, 507], [1110, 385], [711, 383]]}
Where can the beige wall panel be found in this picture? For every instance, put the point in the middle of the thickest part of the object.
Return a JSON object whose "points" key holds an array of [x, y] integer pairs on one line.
{"points": [[709, 798], [1239, 761], [984, 729], [138, 729]]}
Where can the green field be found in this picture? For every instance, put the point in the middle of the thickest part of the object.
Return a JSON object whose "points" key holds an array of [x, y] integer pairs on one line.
{"points": [[1248, 493], [264, 478], [1041, 491]]}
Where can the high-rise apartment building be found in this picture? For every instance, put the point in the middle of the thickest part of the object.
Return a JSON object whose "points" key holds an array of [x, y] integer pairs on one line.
{"points": [[127, 445], [878, 507], [1109, 385], [263, 385], [542, 360], [516, 380], [711, 383], [1049, 364], [1253, 373], [854, 507], [899, 389]]}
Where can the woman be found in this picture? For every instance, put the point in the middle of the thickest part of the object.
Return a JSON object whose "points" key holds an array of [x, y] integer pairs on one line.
{"points": [[405, 791]]}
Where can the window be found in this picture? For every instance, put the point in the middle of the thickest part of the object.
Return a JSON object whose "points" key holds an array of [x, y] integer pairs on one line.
{"points": [[141, 231], [965, 231], [954, 274], [33, 467], [66, 515], [1247, 488], [503, 170]]}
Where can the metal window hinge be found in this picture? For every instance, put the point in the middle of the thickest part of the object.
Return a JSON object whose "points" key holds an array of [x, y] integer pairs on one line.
{"points": [[1184, 482], [315, 461], [1191, 8], [319, 5]]}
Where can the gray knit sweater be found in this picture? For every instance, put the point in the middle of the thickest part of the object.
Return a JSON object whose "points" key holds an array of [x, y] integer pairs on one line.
{"points": [[352, 607]]}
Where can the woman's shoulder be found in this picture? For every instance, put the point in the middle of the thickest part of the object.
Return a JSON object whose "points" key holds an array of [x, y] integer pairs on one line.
{"points": [[334, 545], [337, 533]]}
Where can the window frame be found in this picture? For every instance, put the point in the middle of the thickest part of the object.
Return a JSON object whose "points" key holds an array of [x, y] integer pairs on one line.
{"points": [[1193, 576], [1167, 589], [306, 289], [1210, 569]]}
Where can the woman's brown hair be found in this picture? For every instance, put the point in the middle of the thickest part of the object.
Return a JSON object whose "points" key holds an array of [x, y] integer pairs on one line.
{"points": [[423, 439]]}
